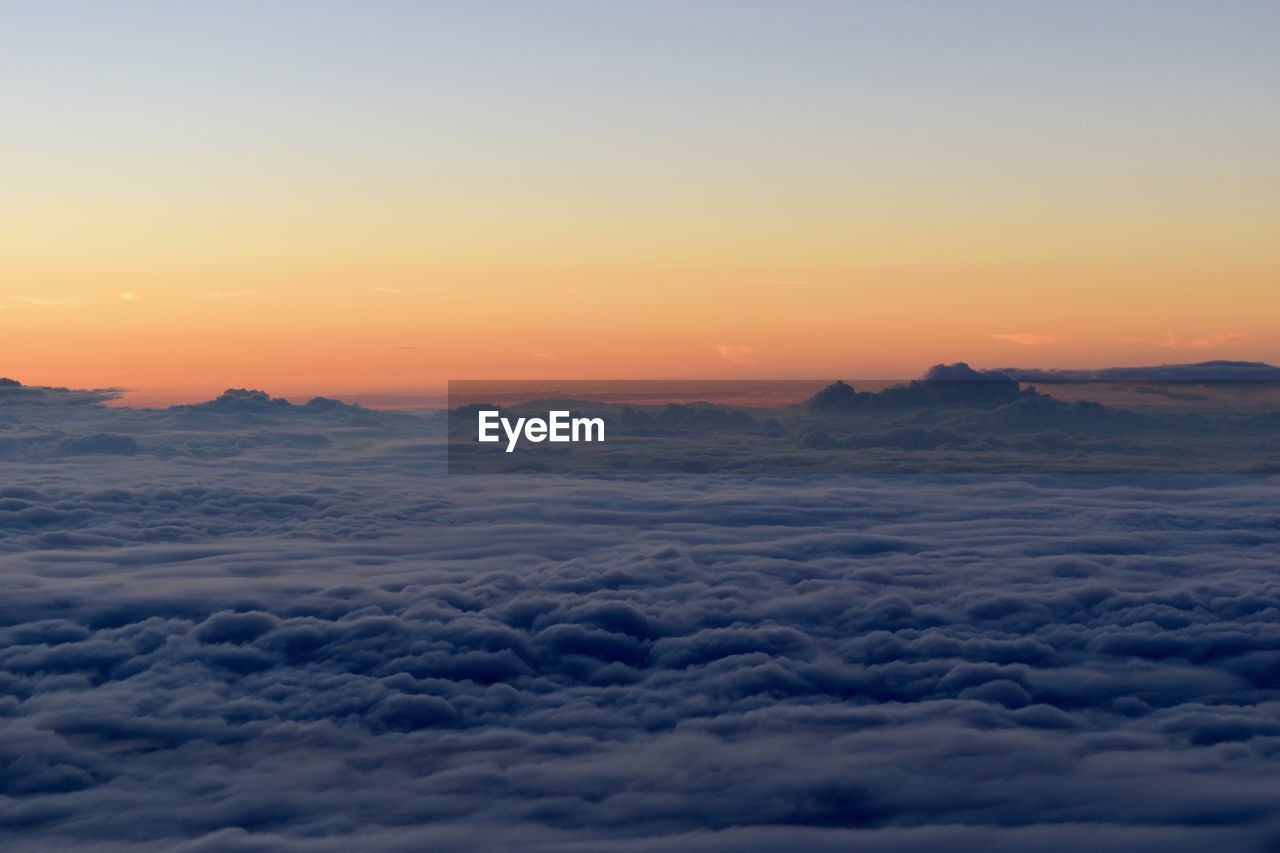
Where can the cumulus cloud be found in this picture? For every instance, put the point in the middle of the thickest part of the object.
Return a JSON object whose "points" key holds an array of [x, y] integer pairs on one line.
{"points": [[334, 646]]}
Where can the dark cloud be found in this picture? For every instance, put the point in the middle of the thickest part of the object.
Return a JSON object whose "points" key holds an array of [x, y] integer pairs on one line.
{"points": [[941, 385], [101, 442], [1203, 371], [14, 394]]}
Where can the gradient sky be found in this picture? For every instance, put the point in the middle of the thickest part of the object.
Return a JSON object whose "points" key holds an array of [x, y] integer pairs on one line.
{"points": [[377, 196]]}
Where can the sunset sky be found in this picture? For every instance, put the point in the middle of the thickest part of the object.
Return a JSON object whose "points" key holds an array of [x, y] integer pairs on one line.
{"points": [[323, 197]]}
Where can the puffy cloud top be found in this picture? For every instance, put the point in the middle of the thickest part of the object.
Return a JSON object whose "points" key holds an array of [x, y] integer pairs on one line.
{"points": [[329, 645]]}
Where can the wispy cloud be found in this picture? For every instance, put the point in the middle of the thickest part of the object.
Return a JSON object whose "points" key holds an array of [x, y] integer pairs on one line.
{"points": [[130, 296], [1024, 339], [393, 290], [544, 356], [55, 301], [1173, 341], [736, 353]]}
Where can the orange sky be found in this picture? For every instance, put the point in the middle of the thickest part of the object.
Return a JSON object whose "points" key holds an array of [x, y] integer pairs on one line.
{"points": [[186, 208]]}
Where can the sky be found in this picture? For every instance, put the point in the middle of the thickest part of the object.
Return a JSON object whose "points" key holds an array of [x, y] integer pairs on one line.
{"points": [[329, 197]]}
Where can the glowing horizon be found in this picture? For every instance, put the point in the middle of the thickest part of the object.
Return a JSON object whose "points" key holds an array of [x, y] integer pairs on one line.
{"points": [[322, 199]]}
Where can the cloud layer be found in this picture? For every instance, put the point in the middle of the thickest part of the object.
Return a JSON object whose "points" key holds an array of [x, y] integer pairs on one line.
{"points": [[314, 645]]}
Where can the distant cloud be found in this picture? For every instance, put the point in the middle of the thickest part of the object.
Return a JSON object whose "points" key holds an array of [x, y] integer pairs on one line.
{"points": [[55, 302], [130, 296], [736, 353], [229, 294], [393, 290], [1172, 341], [545, 356], [1024, 339]]}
